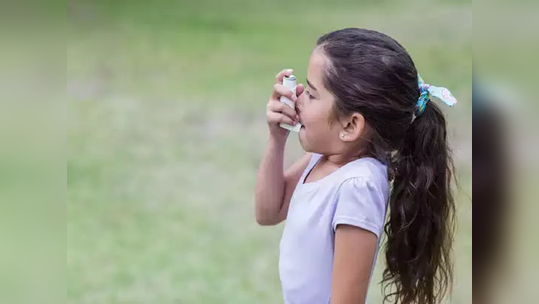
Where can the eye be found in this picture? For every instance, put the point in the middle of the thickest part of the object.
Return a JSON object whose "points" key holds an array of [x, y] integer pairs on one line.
{"points": [[309, 94]]}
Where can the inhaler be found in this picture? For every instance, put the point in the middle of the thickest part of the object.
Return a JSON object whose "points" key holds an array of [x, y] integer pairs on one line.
{"points": [[290, 83]]}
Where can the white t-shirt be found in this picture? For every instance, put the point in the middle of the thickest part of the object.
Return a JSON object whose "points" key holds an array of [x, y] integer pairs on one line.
{"points": [[355, 194]]}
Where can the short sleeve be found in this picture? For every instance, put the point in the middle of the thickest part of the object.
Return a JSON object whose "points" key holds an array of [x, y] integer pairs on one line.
{"points": [[360, 203]]}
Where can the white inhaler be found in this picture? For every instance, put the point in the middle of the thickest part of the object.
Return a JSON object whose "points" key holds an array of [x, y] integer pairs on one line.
{"points": [[290, 83]]}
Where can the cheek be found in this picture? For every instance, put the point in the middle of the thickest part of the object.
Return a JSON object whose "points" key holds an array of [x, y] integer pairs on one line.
{"points": [[317, 139], [316, 132], [313, 115]]}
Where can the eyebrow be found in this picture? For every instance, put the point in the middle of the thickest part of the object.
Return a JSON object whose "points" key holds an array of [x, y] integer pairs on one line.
{"points": [[311, 85]]}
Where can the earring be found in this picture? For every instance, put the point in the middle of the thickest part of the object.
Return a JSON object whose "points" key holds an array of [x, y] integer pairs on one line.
{"points": [[342, 135]]}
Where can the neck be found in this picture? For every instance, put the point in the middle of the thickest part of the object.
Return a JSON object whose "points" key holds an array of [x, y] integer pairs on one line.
{"points": [[340, 160], [351, 154]]}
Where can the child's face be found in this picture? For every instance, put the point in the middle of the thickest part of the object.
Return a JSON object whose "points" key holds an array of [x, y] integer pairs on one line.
{"points": [[319, 133]]}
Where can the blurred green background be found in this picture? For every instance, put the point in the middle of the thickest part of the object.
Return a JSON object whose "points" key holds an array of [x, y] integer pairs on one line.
{"points": [[166, 126]]}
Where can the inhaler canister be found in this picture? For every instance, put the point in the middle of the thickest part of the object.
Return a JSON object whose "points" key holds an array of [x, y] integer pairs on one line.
{"points": [[290, 83]]}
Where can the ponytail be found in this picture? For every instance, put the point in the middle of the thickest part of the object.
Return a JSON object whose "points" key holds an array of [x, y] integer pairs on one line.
{"points": [[421, 220]]}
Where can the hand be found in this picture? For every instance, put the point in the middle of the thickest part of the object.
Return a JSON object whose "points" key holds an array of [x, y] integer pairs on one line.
{"points": [[278, 112]]}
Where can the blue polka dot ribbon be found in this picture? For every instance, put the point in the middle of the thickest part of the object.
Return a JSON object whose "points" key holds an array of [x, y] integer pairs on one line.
{"points": [[427, 92]]}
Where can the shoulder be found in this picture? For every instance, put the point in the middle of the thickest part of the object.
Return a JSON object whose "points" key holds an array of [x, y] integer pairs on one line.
{"points": [[364, 173], [361, 171], [362, 196], [367, 169]]}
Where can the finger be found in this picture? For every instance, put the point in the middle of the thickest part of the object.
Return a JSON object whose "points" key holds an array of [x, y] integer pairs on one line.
{"points": [[280, 118], [279, 77], [299, 89], [287, 120], [280, 90], [279, 107]]}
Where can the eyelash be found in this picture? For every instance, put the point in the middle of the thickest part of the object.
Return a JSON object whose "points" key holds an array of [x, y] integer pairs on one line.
{"points": [[309, 95]]}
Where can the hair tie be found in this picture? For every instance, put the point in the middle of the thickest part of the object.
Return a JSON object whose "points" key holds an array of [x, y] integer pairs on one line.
{"points": [[427, 92]]}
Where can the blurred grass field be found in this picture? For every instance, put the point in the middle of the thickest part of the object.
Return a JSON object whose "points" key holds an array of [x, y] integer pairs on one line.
{"points": [[166, 126]]}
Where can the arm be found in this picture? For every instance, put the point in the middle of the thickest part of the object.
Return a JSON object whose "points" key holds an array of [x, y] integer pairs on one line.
{"points": [[274, 188], [352, 263]]}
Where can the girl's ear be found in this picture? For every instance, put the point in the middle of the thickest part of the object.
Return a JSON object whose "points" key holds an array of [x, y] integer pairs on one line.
{"points": [[353, 127]]}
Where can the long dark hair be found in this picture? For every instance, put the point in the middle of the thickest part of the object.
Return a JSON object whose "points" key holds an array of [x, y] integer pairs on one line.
{"points": [[370, 73]]}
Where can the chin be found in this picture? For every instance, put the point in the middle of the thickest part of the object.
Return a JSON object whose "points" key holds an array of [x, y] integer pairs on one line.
{"points": [[304, 142]]}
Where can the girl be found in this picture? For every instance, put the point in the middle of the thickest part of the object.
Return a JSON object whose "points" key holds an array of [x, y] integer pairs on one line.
{"points": [[372, 138]]}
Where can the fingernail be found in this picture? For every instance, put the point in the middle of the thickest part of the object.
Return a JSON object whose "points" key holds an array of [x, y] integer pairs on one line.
{"points": [[289, 70]]}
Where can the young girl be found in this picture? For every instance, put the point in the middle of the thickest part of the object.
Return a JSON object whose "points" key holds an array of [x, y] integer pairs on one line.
{"points": [[372, 138]]}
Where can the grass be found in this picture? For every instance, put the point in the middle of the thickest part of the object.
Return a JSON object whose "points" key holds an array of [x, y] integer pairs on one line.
{"points": [[166, 127]]}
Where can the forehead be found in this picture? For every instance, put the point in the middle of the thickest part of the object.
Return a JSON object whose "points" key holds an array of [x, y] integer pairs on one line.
{"points": [[316, 68]]}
